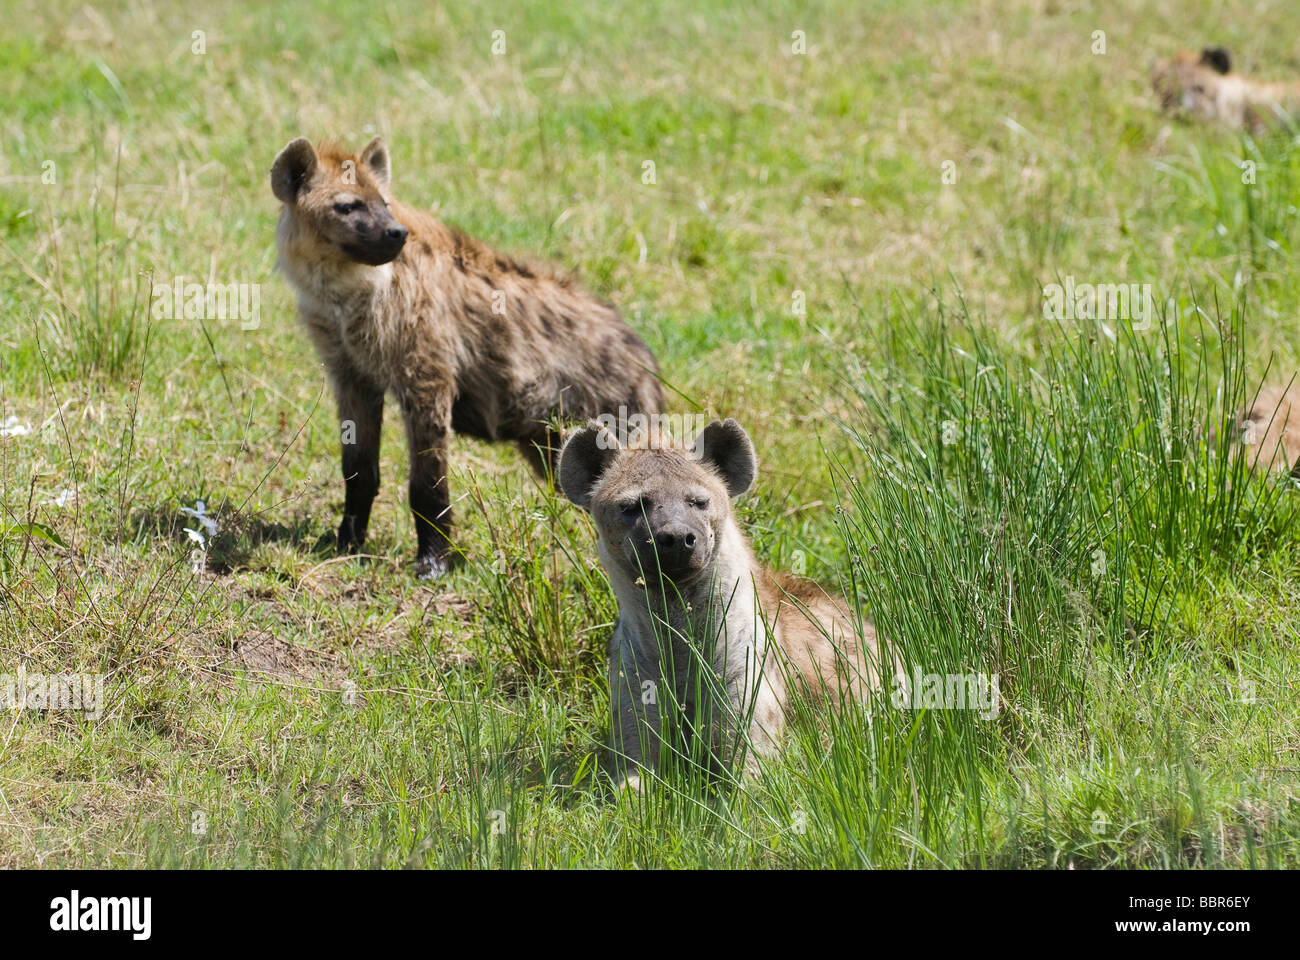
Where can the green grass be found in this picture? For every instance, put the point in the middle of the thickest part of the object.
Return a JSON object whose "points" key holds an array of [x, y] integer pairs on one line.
{"points": [[1050, 502]]}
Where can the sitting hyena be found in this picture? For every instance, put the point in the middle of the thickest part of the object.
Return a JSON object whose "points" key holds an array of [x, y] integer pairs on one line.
{"points": [[704, 631], [1204, 85], [467, 339]]}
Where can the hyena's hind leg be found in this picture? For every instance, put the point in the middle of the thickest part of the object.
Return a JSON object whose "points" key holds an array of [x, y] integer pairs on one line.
{"points": [[361, 418]]}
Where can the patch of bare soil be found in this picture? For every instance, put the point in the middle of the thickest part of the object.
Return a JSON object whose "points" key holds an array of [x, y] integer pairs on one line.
{"points": [[259, 654]]}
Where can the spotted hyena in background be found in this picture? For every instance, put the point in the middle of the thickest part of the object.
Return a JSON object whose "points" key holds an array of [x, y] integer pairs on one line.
{"points": [[1204, 85], [466, 339], [708, 642], [1267, 431]]}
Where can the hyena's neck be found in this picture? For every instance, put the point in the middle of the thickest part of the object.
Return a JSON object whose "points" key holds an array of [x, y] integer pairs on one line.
{"points": [[327, 284], [716, 614]]}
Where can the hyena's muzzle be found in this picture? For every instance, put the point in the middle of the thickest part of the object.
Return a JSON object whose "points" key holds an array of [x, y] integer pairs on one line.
{"points": [[670, 539], [377, 238]]}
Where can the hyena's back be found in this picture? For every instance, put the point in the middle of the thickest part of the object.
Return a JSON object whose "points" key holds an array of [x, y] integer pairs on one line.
{"points": [[552, 349], [526, 345]]}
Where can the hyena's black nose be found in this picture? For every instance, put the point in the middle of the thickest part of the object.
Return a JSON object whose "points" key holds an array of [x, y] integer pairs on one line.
{"points": [[672, 540], [674, 546], [396, 233]]}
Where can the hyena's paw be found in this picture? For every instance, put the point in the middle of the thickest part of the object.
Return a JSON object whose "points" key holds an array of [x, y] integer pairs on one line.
{"points": [[630, 784], [350, 540], [432, 567]]}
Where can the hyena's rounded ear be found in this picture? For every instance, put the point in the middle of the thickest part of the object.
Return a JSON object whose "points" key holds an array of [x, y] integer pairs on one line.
{"points": [[726, 446], [1217, 59], [583, 461], [293, 167], [375, 159]]}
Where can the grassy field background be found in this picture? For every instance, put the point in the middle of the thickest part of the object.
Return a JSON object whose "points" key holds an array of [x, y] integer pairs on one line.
{"points": [[1076, 529]]}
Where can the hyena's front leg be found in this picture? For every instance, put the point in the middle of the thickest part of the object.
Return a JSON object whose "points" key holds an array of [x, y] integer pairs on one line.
{"points": [[634, 703], [361, 418], [428, 428], [753, 713]]}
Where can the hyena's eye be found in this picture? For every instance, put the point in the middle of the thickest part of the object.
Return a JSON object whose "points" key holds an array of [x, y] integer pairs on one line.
{"points": [[700, 503], [349, 207], [631, 508]]}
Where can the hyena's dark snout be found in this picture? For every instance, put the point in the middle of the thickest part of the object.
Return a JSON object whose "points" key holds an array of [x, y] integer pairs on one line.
{"points": [[380, 242], [675, 548]]}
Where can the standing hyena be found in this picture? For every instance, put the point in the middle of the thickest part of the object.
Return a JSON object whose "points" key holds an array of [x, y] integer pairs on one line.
{"points": [[466, 338], [707, 638]]}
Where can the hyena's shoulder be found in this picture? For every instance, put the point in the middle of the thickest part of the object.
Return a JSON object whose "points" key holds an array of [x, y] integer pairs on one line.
{"points": [[540, 306]]}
